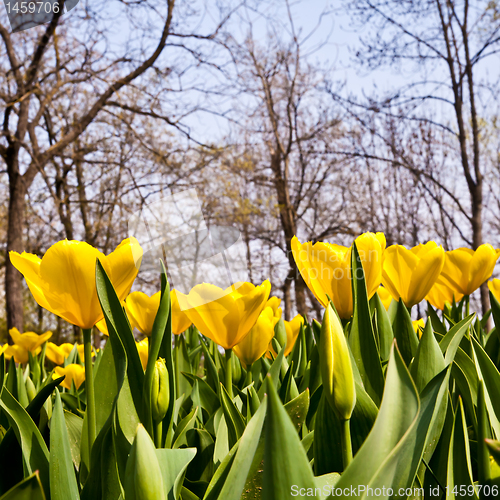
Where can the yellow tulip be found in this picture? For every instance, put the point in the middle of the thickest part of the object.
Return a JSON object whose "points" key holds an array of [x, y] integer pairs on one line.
{"points": [[30, 341], [417, 325], [326, 268], [410, 274], [24, 343], [141, 310], [441, 293], [58, 353], [63, 281], [292, 329], [255, 344], [225, 316], [465, 270], [143, 348], [385, 297], [180, 320], [335, 366], [494, 286], [72, 373], [19, 353]]}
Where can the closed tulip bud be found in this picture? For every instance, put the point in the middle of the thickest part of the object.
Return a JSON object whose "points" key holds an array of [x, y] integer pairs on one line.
{"points": [[161, 390], [335, 366], [30, 389], [143, 475]]}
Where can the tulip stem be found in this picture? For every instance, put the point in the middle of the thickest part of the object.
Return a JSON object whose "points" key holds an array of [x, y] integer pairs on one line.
{"points": [[158, 430], [229, 373], [345, 439], [89, 386], [467, 305]]}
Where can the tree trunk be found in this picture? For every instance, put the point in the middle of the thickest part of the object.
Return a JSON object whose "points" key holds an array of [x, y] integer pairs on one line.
{"points": [[15, 226]]}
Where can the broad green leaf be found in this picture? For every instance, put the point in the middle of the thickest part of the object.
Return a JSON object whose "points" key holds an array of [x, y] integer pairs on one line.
{"points": [[144, 476], [234, 419], [119, 328], [484, 433], [450, 342], [74, 425], [286, 462], [297, 409], [361, 337], [327, 442], [11, 470], [385, 456], [488, 372], [63, 484], [241, 467], [459, 466], [202, 394], [274, 371], [218, 479], [384, 326], [28, 489], [185, 424], [34, 450], [404, 333], [201, 468], [326, 482], [428, 360], [173, 465]]}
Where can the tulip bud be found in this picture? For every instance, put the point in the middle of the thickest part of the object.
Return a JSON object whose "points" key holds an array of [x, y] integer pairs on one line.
{"points": [[335, 366], [30, 389], [280, 332], [143, 475], [161, 390]]}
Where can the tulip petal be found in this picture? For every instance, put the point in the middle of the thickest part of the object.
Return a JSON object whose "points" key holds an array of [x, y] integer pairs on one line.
{"points": [[124, 263], [29, 266], [425, 275], [456, 269], [398, 267], [68, 273], [481, 267]]}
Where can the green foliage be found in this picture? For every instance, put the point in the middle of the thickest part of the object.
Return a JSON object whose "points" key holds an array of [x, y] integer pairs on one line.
{"points": [[427, 414]]}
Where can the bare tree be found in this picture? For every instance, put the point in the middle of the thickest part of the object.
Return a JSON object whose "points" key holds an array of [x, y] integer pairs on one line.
{"points": [[445, 46]]}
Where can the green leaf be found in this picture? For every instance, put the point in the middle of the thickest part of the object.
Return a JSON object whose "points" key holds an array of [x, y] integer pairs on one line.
{"points": [[297, 409], [384, 326], [385, 456], [11, 471], [404, 333], [74, 425], [450, 342], [173, 465], [185, 424], [28, 489], [234, 419], [63, 484], [244, 459], [34, 449], [202, 394], [159, 327], [327, 432], [274, 371], [459, 466], [488, 372], [428, 360], [362, 338], [286, 462], [119, 328], [144, 477]]}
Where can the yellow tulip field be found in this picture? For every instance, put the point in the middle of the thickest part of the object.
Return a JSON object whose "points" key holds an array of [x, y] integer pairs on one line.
{"points": [[392, 392]]}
